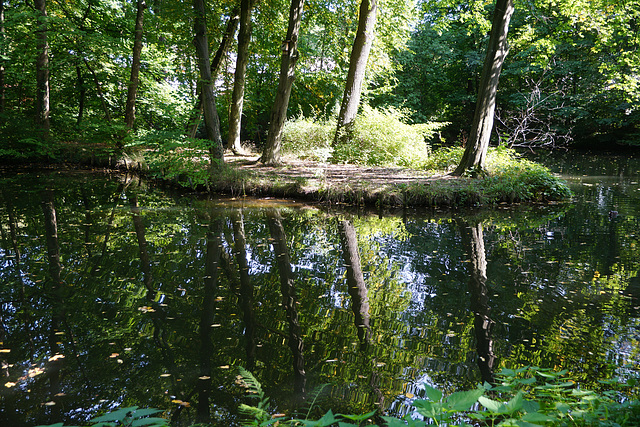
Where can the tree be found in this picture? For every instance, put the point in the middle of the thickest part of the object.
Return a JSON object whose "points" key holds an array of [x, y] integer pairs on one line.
{"points": [[357, 66], [476, 149], [237, 98], [216, 64], [130, 109], [42, 71], [271, 152], [2, 72], [211, 119]]}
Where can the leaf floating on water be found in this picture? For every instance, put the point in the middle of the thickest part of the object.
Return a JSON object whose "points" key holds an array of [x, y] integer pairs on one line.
{"points": [[56, 357], [5, 350], [181, 402], [146, 309], [164, 375], [9, 384], [35, 372], [50, 403], [204, 377], [224, 367], [114, 355]]}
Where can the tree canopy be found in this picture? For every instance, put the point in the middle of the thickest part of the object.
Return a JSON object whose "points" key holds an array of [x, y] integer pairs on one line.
{"points": [[571, 75]]}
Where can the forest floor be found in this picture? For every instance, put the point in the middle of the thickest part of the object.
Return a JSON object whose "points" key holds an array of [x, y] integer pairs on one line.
{"points": [[340, 183]]}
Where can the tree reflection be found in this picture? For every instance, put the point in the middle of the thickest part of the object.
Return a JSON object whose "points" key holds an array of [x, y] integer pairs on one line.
{"points": [[473, 241], [55, 295], [355, 281], [246, 288], [288, 289]]}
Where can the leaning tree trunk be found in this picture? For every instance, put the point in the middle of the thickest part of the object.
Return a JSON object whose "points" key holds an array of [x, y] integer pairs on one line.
{"points": [[130, 109], [211, 119], [42, 71], [271, 152], [216, 63], [357, 66], [237, 98], [476, 150]]}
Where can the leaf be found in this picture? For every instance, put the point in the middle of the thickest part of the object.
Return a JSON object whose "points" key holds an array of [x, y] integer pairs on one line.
{"points": [[428, 409], [515, 404], [530, 406], [433, 394], [462, 400], [150, 422], [537, 417], [139, 413], [361, 417], [491, 405], [118, 415]]}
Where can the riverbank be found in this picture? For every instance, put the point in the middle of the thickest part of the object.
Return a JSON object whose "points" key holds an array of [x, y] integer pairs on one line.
{"points": [[510, 180]]}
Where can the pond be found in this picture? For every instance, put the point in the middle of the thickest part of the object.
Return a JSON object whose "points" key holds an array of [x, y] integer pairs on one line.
{"points": [[115, 293]]}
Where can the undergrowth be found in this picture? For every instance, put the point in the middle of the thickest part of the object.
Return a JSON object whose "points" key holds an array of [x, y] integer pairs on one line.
{"points": [[527, 396]]}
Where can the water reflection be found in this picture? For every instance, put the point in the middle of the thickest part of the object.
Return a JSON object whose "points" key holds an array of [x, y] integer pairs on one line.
{"points": [[115, 294]]}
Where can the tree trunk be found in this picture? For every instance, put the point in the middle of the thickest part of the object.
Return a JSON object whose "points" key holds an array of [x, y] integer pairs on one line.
{"points": [[475, 153], [211, 119], [271, 152], [357, 66], [196, 113], [355, 281], [43, 109], [2, 73], [130, 109], [237, 97], [103, 102], [82, 95]]}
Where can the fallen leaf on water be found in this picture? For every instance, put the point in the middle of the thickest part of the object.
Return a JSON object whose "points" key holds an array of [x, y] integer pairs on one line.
{"points": [[9, 384]]}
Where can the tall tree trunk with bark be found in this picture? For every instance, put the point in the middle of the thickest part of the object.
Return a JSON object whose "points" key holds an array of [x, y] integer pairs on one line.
{"points": [[237, 97], [216, 63], [357, 66], [43, 108], [2, 73], [478, 144], [290, 54], [130, 109], [211, 119]]}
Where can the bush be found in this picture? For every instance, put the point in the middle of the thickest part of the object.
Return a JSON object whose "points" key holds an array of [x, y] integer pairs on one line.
{"points": [[377, 138], [383, 138], [307, 138]]}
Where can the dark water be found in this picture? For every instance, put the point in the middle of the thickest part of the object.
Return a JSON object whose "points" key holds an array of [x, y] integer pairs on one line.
{"points": [[114, 293]]}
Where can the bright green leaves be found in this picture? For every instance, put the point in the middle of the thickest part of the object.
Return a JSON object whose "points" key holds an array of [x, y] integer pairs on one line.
{"points": [[444, 410]]}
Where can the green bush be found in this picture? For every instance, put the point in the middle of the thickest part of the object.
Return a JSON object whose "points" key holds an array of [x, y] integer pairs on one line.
{"points": [[377, 138], [306, 138], [383, 138]]}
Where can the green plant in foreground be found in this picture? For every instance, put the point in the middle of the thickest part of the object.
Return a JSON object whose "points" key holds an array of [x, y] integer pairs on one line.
{"points": [[125, 417]]}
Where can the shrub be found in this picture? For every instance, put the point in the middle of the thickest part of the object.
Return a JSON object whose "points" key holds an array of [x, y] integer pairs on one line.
{"points": [[307, 138], [383, 138]]}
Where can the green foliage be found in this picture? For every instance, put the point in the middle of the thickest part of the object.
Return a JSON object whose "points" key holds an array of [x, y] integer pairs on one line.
{"points": [[307, 138], [526, 396], [383, 138], [125, 417]]}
